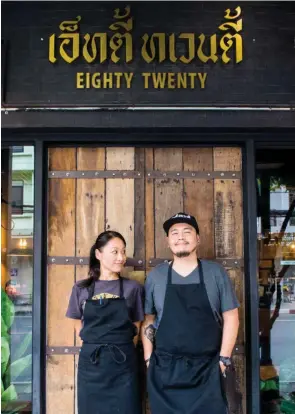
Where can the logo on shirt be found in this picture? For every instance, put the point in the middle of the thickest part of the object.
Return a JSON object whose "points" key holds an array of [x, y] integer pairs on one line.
{"points": [[104, 296]]}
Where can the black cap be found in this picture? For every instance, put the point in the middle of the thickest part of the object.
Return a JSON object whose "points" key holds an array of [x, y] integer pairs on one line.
{"points": [[181, 218]]}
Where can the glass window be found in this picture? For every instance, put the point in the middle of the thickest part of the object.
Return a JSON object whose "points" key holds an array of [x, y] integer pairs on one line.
{"points": [[17, 220], [17, 192], [17, 149], [276, 252]]}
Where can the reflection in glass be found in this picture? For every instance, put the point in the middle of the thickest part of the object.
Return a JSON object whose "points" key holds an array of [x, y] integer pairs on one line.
{"points": [[276, 252], [17, 215]]}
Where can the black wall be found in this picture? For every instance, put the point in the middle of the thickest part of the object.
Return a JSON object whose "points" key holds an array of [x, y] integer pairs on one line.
{"points": [[265, 77]]}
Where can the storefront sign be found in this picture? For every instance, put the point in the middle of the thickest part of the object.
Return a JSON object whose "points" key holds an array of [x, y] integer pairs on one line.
{"points": [[110, 54], [119, 48]]}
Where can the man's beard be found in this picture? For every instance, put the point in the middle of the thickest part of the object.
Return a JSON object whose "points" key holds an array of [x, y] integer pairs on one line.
{"points": [[182, 254], [185, 253]]}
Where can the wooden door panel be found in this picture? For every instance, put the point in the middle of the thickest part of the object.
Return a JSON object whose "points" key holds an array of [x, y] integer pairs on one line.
{"points": [[168, 194], [90, 212], [60, 279], [80, 208], [198, 196]]}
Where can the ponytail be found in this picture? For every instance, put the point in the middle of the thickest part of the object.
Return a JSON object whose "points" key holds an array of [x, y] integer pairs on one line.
{"points": [[94, 263]]}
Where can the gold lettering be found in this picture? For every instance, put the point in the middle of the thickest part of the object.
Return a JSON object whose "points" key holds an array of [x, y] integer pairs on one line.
{"points": [[118, 76], [119, 39], [116, 43], [128, 78], [182, 80], [79, 80], [227, 41], [191, 47], [69, 26], [128, 26], [107, 80], [52, 57], [228, 12], [90, 57], [192, 77], [150, 41], [171, 80], [202, 78], [88, 80], [172, 48], [146, 76], [159, 80], [213, 49], [96, 82]]}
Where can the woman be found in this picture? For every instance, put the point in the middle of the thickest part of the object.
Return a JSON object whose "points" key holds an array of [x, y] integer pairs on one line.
{"points": [[111, 309]]}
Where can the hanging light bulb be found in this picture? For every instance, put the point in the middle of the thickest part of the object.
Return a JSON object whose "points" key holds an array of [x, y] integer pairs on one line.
{"points": [[23, 243]]}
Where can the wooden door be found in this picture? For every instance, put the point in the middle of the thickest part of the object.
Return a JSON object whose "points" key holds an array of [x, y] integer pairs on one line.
{"points": [[133, 190]]}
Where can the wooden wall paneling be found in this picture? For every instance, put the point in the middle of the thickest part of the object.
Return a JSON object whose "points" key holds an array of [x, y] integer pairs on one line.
{"points": [[149, 208], [60, 384], [229, 243], [90, 216], [227, 159], [61, 242], [120, 197], [168, 194], [149, 241], [198, 196], [139, 211]]}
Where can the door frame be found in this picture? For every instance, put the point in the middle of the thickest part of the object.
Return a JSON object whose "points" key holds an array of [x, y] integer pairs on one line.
{"points": [[248, 142]]}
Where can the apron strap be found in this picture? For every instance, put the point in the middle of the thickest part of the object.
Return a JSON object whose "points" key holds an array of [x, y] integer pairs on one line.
{"points": [[169, 280], [121, 287], [201, 273]]}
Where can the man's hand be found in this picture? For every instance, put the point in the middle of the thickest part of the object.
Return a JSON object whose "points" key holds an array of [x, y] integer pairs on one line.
{"points": [[222, 367]]}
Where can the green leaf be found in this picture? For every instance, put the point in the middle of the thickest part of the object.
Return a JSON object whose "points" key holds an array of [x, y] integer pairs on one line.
{"points": [[4, 330], [9, 394], [7, 309], [17, 367], [5, 353], [2, 387], [27, 341]]}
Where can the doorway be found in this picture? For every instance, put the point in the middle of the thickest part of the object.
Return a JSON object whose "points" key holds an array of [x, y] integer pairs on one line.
{"points": [[133, 190]]}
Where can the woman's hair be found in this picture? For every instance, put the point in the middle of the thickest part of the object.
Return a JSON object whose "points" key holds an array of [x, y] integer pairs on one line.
{"points": [[94, 263]]}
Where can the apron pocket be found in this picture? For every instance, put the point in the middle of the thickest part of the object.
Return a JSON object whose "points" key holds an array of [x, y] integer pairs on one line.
{"points": [[182, 372]]}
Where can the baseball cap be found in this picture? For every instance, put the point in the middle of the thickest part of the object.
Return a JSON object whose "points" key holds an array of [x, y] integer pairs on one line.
{"points": [[181, 218]]}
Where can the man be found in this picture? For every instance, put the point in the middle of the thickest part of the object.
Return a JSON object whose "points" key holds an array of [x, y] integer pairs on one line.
{"points": [[190, 327], [12, 290]]}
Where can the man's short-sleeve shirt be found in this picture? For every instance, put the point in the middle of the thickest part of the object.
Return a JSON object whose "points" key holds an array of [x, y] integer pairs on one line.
{"points": [[218, 285]]}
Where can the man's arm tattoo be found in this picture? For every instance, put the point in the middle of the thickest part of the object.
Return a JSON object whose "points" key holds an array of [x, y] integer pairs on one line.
{"points": [[149, 332]]}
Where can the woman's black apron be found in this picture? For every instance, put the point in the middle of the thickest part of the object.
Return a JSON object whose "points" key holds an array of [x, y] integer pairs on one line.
{"points": [[107, 369], [184, 375]]}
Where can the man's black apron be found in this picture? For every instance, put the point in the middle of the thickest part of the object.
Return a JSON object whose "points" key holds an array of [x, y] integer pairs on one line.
{"points": [[107, 369], [184, 375]]}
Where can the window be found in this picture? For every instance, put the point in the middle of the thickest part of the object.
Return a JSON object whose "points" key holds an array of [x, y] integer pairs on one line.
{"points": [[17, 236], [276, 252], [17, 197], [17, 148]]}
